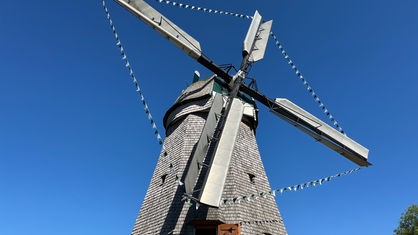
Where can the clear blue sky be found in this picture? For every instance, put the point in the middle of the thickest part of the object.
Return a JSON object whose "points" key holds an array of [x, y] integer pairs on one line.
{"points": [[77, 151]]}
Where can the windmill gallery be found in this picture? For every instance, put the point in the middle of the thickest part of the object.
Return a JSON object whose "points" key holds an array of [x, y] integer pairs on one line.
{"points": [[210, 141]]}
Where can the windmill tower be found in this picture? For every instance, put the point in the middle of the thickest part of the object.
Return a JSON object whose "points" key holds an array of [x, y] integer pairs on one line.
{"points": [[210, 140], [164, 212]]}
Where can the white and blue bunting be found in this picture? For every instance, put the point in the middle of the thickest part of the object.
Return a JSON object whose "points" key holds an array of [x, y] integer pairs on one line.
{"points": [[270, 193], [141, 95]]}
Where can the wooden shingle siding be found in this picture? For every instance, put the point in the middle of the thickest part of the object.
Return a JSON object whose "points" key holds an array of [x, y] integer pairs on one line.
{"points": [[163, 211]]}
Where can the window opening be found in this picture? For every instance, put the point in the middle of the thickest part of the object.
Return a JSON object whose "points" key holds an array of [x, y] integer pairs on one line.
{"points": [[163, 178], [252, 178]]}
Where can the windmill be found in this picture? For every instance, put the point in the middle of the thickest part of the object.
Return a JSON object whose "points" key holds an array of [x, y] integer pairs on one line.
{"points": [[210, 135]]}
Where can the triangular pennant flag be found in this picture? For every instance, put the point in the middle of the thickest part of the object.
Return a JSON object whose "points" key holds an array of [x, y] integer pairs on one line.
{"points": [[238, 200]]}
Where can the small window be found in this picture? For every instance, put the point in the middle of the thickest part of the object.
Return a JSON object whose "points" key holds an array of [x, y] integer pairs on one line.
{"points": [[163, 178], [252, 178]]}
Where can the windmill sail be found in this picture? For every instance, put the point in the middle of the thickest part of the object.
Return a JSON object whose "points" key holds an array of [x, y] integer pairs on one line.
{"points": [[261, 43], [172, 32], [202, 145], [314, 127], [163, 25], [321, 131], [211, 192], [214, 183], [255, 41], [251, 34]]}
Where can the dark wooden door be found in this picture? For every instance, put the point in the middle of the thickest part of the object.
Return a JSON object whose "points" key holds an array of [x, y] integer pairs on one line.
{"points": [[229, 229]]}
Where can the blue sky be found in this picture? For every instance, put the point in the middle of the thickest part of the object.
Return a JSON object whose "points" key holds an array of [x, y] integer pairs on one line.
{"points": [[77, 151]]}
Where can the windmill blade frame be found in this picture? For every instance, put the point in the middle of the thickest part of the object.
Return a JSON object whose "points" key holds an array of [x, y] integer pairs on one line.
{"points": [[253, 50], [172, 32], [314, 127], [164, 26], [213, 186]]}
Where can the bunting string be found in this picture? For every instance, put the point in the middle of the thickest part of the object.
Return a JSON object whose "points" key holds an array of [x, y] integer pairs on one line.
{"points": [[203, 9], [140, 93], [271, 221], [306, 84], [279, 46], [271, 193], [280, 191]]}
